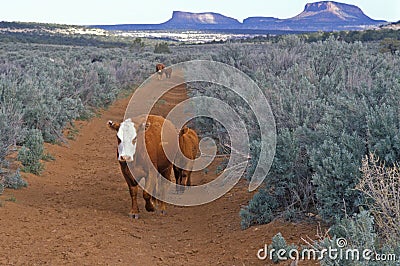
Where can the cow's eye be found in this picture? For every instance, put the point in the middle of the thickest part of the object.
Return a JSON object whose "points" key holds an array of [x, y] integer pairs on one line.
{"points": [[134, 139]]}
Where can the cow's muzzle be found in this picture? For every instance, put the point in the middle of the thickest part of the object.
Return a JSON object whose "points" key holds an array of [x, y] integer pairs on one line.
{"points": [[126, 158]]}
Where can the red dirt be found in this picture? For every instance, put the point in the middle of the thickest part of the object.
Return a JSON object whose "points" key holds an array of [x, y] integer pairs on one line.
{"points": [[75, 213]]}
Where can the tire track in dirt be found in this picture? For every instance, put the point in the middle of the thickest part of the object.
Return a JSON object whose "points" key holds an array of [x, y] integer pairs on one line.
{"points": [[76, 212]]}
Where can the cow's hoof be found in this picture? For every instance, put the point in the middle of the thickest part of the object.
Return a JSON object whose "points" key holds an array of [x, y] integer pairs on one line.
{"points": [[149, 207], [163, 212], [134, 215]]}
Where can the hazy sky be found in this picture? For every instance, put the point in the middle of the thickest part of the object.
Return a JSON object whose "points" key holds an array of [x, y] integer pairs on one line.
{"points": [[89, 12]]}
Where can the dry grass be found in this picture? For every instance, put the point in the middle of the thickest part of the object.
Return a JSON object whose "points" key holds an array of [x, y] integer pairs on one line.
{"points": [[382, 185]]}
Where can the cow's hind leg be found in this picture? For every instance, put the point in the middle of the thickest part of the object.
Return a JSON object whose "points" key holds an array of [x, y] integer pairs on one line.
{"points": [[186, 178], [176, 174], [189, 173], [164, 179], [149, 188], [149, 203], [178, 179]]}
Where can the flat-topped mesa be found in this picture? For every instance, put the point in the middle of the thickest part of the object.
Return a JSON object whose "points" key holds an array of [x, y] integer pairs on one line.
{"points": [[325, 16], [329, 11], [182, 19], [255, 20]]}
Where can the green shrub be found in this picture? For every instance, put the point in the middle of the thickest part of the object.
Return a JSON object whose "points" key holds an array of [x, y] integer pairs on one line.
{"points": [[137, 45], [359, 233], [384, 132], [45, 87], [162, 48], [336, 166], [355, 233], [279, 243], [11, 125], [289, 187], [11, 198], [32, 152], [14, 181], [260, 210], [48, 157], [333, 103], [390, 45]]}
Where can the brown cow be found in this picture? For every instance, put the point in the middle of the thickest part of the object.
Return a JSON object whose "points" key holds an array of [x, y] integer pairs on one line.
{"points": [[134, 137], [168, 72], [159, 70], [189, 145]]}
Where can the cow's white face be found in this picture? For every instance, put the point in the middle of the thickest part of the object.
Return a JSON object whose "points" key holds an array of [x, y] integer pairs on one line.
{"points": [[126, 141]]}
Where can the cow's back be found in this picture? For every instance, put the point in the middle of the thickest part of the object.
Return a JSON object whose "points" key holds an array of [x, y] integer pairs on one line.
{"points": [[189, 143], [157, 145]]}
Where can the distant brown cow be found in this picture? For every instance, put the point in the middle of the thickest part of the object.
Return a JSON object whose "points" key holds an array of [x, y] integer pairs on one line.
{"points": [[168, 72], [189, 145], [134, 137], [159, 70]]}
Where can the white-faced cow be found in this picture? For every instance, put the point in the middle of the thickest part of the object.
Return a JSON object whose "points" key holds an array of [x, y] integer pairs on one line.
{"points": [[138, 137], [189, 146], [160, 70]]}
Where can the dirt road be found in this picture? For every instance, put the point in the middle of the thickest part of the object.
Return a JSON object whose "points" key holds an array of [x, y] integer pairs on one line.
{"points": [[75, 213]]}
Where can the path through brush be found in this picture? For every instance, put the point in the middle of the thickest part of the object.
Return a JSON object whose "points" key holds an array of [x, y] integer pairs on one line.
{"points": [[76, 212]]}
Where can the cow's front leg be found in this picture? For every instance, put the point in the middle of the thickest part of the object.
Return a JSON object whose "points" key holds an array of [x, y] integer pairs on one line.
{"points": [[134, 213], [133, 189]]}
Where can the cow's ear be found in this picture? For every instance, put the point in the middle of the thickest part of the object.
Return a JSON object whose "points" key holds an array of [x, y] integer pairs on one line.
{"points": [[113, 125], [145, 125], [141, 123]]}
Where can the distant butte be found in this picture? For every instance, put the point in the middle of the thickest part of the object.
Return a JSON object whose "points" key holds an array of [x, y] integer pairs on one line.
{"points": [[318, 16]]}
